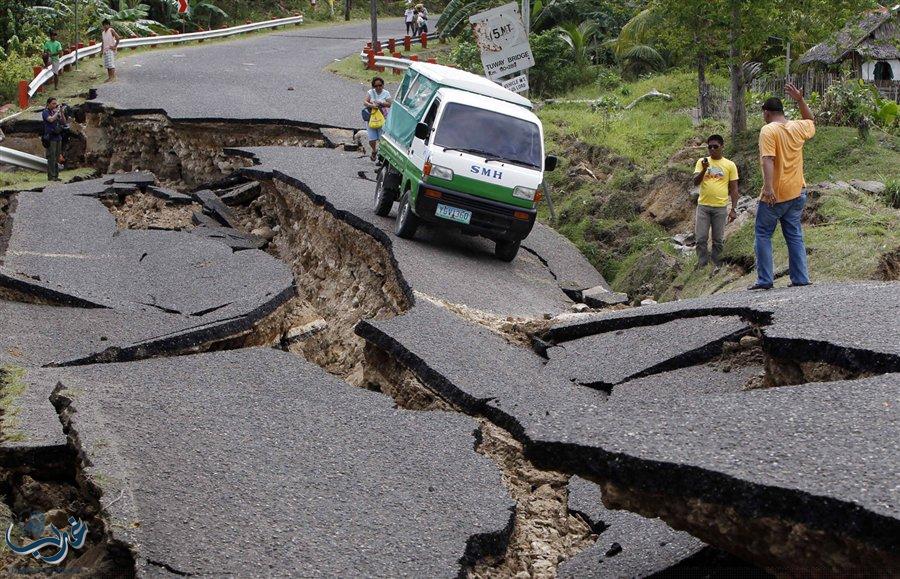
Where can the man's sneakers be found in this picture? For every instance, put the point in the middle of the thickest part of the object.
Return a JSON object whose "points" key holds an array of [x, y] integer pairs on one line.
{"points": [[792, 284]]}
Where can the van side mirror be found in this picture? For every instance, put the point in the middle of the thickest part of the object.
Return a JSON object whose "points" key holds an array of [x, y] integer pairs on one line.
{"points": [[421, 131], [550, 162]]}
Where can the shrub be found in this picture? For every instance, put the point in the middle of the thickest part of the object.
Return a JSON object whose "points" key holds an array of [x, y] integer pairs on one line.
{"points": [[608, 79], [554, 71], [466, 56], [891, 193], [12, 70]]}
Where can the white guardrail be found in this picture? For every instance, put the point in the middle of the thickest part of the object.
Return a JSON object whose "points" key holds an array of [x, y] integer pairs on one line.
{"points": [[393, 62], [94, 49], [20, 159]]}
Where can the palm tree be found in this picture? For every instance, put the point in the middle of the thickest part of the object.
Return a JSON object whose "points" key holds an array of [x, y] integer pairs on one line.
{"points": [[578, 37], [632, 48]]}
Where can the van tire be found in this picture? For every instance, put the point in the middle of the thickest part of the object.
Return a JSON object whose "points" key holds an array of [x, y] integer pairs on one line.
{"points": [[384, 199], [506, 250], [407, 221]]}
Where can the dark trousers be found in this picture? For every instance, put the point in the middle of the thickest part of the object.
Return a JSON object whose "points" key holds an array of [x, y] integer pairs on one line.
{"points": [[53, 159], [409, 28]]}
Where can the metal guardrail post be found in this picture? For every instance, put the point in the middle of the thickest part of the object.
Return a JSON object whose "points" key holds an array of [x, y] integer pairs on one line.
{"points": [[23, 94]]}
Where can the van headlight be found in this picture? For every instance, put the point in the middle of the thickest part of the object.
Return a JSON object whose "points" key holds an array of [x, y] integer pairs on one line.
{"points": [[524, 193], [441, 173]]}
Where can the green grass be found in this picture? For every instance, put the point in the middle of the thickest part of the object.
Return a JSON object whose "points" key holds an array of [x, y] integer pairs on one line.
{"points": [[12, 386], [352, 67], [23, 180], [647, 135], [627, 149]]}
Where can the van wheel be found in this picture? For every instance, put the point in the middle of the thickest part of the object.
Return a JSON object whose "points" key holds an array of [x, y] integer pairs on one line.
{"points": [[407, 221], [384, 199], [506, 250]]}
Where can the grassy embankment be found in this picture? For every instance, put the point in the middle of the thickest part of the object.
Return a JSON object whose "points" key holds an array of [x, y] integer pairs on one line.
{"points": [[642, 159]]}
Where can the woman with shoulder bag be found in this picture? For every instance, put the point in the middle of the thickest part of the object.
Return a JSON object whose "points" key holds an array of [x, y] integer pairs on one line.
{"points": [[377, 104]]}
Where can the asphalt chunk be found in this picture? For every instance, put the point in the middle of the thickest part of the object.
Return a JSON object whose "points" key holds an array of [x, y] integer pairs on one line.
{"points": [[247, 444]]}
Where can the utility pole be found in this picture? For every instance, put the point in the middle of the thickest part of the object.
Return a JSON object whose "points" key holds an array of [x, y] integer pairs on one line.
{"points": [[787, 63], [77, 34], [526, 20], [373, 7]]}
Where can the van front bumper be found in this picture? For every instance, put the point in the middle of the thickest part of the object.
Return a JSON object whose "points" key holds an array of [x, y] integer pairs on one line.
{"points": [[491, 219]]}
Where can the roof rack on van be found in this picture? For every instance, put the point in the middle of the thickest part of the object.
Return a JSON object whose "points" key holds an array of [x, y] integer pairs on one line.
{"points": [[460, 79]]}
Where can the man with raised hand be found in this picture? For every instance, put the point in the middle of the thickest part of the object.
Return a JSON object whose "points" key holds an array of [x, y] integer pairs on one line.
{"points": [[784, 188]]}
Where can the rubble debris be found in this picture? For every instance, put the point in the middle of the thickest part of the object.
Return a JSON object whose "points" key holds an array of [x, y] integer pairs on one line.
{"points": [[170, 195], [601, 297], [240, 194], [215, 208]]}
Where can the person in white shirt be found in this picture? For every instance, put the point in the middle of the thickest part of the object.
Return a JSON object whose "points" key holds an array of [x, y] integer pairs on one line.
{"points": [[110, 46], [408, 16]]}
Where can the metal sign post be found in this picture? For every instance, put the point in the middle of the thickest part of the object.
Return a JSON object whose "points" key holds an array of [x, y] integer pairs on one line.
{"points": [[526, 22], [77, 34]]}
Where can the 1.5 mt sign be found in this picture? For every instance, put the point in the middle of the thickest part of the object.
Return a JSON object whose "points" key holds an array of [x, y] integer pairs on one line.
{"points": [[502, 40]]}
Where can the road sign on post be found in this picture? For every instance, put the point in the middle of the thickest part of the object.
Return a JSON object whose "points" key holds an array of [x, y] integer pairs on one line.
{"points": [[182, 6], [517, 83], [502, 40]]}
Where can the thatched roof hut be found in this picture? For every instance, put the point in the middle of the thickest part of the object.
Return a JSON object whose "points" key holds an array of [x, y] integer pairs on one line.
{"points": [[872, 45]]}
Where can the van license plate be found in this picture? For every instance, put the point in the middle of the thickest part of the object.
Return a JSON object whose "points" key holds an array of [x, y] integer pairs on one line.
{"points": [[453, 213]]}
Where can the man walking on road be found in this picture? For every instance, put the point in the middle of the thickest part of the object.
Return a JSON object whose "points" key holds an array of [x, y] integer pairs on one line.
{"points": [[784, 188], [110, 47], [718, 180], [54, 119], [52, 52]]}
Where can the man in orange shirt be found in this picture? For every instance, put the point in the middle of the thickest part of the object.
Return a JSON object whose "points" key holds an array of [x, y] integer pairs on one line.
{"points": [[784, 189]]}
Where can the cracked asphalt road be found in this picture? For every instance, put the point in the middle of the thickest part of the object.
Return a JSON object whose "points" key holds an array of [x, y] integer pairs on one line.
{"points": [[440, 263]]}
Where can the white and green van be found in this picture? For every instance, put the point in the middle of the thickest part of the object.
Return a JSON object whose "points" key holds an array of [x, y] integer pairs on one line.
{"points": [[461, 151]]}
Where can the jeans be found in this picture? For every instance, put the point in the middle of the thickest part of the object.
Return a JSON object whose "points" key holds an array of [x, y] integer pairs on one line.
{"points": [[53, 159], [788, 213], [715, 218]]}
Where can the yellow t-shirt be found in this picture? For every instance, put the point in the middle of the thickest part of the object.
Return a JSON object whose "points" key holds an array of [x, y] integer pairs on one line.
{"points": [[714, 187], [784, 141]]}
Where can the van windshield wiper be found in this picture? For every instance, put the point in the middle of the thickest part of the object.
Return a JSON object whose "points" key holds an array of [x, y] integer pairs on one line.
{"points": [[479, 152]]}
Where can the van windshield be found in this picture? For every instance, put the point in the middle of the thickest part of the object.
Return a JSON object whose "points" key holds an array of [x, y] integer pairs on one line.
{"points": [[489, 134]]}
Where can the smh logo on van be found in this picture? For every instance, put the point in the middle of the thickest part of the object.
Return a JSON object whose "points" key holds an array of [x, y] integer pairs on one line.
{"points": [[486, 172]]}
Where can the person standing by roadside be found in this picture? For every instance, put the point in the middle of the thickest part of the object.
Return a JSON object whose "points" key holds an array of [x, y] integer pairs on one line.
{"points": [[421, 19], [408, 17], [718, 180], [54, 118], [110, 47], [52, 52], [379, 98], [784, 188]]}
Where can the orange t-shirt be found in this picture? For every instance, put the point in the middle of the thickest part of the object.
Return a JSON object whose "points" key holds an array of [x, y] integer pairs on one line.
{"points": [[784, 141]]}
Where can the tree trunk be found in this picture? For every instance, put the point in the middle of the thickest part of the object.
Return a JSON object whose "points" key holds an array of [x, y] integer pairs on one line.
{"points": [[346, 9], [738, 108], [702, 85]]}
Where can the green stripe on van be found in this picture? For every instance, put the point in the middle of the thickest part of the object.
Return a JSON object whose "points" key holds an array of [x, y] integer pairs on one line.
{"points": [[481, 189]]}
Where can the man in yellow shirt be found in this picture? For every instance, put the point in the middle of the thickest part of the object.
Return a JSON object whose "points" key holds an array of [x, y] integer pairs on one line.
{"points": [[784, 189], [718, 180]]}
